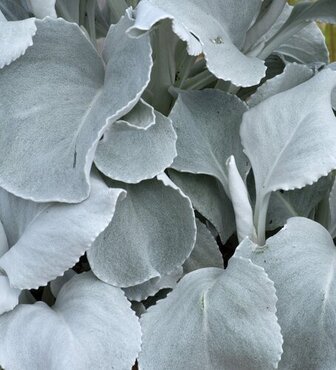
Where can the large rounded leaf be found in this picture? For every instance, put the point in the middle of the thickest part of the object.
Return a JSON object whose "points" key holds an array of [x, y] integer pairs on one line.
{"points": [[216, 28], [301, 260], [48, 238], [131, 154], [52, 124], [91, 326], [152, 232], [214, 319], [207, 124]]}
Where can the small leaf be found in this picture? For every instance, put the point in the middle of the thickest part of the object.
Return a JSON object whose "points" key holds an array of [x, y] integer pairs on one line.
{"points": [[131, 154], [151, 287], [90, 326], [301, 260], [228, 320], [241, 202], [152, 232]]}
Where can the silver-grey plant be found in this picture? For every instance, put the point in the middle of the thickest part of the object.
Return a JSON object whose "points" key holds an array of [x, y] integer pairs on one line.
{"points": [[167, 193]]}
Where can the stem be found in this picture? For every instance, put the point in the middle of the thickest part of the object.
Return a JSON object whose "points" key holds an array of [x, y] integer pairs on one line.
{"points": [[117, 9], [282, 36], [264, 23], [200, 81], [322, 214], [260, 217]]}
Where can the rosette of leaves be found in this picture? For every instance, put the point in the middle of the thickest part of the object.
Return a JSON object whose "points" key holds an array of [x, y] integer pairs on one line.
{"points": [[141, 142]]}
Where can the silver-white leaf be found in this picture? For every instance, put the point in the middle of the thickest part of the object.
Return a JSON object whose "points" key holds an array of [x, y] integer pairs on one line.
{"points": [[225, 319], [91, 326], [301, 260]]}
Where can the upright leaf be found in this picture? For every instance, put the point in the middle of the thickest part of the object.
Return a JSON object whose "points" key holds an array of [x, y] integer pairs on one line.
{"points": [[289, 139]]}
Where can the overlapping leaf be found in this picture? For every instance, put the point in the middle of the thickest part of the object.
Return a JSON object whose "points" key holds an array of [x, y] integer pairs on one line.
{"points": [[152, 232], [228, 320], [53, 121], [91, 326], [301, 260], [207, 124], [215, 28], [46, 239], [131, 154], [209, 199]]}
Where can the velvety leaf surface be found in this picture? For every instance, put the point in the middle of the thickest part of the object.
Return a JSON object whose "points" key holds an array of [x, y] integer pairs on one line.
{"points": [[209, 199], [15, 38], [52, 124], [130, 154], [301, 260], [91, 326], [152, 232], [43, 8], [205, 253], [225, 319], [215, 28], [302, 126], [207, 124], [48, 238]]}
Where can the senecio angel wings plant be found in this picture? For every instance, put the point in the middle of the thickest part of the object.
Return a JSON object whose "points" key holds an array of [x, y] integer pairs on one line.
{"points": [[167, 193]]}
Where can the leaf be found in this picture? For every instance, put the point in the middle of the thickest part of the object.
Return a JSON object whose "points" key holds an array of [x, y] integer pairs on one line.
{"points": [[49, 135], [86, 312], [43, 8], [9, 296], [209, 199], [48, 238], [228, 320], [151, 287], [304, 134], [142, 116], [293, 75], [332, 208], [205, 253], [152, 232], [130, 154], [57, 284], [301, 260], [306, 46], [299, 202], [220, 40], [207, 124], [15, 38], [241, 202]]}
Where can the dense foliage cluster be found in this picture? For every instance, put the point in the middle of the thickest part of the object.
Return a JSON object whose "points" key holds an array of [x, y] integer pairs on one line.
{"points": [[146, 145]]}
